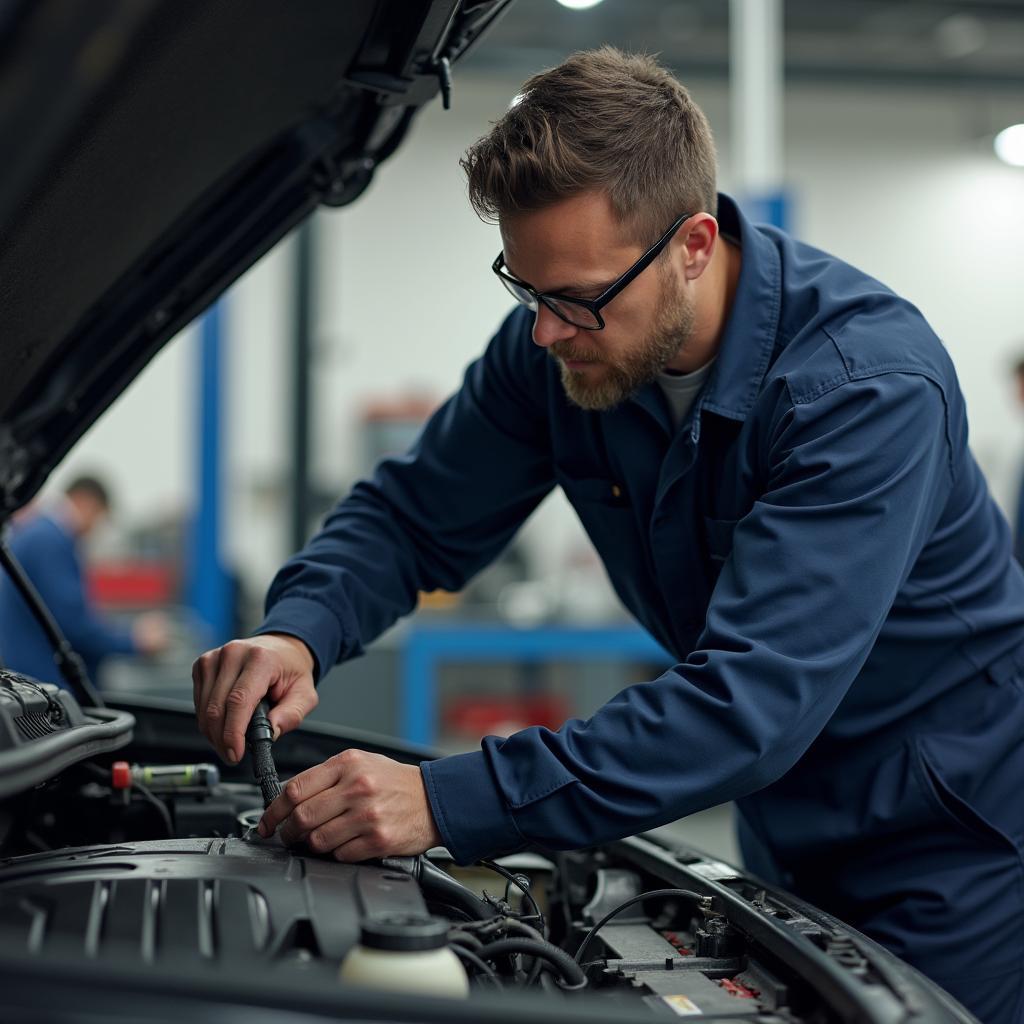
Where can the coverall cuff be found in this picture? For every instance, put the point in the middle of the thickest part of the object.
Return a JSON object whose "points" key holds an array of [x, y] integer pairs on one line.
{"points": [[122, 641], [313, 623], [469, 810]]}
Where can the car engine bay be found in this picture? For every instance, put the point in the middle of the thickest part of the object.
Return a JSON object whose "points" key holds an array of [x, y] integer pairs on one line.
{"points": [[114, 855]]}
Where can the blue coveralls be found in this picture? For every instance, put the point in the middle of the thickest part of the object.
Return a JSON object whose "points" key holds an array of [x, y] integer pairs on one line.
{"points": [[48, 553], [1018, 521], [817, 547]]}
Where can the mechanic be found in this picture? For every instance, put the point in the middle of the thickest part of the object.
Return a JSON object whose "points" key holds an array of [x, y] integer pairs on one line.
{"points": [[768, 448], [1018, 518], [47, 543]]}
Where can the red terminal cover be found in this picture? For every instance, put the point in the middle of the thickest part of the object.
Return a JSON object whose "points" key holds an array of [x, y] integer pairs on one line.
{"points": [[121, 775]]}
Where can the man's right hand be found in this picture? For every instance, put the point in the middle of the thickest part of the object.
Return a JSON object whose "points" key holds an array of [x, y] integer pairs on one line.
{"points": [[151, 633], [228, 682]]}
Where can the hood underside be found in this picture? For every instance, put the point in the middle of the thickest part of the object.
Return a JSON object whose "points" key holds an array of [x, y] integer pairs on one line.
{"points": [[154, 151]]}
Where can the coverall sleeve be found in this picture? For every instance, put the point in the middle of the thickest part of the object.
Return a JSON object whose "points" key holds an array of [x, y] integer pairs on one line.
{"points": [[430, 519], [856, 480], [63, 589]]}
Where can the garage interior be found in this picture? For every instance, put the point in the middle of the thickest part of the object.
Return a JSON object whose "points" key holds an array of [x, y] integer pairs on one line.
{"points": [[874, 116]]}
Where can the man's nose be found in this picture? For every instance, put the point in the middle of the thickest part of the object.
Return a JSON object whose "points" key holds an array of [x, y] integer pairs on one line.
{"points": [[548, 328]]}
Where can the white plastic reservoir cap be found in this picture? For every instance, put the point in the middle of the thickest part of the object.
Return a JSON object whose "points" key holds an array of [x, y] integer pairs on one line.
{"points": [[405, 953]]}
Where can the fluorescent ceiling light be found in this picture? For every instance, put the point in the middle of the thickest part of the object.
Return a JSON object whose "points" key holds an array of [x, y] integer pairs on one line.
{"points": [[579, 5], [1009, 145]]}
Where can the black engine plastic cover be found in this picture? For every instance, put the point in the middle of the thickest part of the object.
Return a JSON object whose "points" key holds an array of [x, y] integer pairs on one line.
{"points": [[190, 902], [43, 731]]}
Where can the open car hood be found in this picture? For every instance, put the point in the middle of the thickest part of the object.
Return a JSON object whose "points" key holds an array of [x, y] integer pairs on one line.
{"points": [[154, 151]]}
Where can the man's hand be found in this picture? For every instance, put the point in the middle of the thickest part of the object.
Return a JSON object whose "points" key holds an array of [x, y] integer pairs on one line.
{"points": [[228, 682], [151, 633], [356, 806]]}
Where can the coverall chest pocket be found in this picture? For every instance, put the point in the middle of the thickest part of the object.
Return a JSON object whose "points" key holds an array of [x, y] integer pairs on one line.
{"points": [[605, 510], [600, 491]]}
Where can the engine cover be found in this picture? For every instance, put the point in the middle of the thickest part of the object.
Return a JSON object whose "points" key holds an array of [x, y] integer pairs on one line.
{"points": [[187, 902], [43, 731]]}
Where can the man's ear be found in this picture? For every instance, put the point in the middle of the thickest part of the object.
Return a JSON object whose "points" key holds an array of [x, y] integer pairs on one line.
{"points": [[694, 244]]}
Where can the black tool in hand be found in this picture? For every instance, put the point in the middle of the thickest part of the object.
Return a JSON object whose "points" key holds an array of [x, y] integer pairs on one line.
{"points": [[258, 738]]}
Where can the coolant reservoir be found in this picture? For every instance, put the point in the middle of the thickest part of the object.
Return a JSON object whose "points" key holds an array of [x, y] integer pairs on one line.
{"points": [[407, 953]]}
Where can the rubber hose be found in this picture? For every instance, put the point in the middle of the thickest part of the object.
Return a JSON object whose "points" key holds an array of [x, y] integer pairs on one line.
{"points": [[565, 965], [524, 929], [482, 966], [465, 939], [439, 883]]}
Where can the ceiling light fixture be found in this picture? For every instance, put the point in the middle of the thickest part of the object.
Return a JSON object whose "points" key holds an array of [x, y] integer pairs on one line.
{"points": [[579, 5], [1009, 145]]}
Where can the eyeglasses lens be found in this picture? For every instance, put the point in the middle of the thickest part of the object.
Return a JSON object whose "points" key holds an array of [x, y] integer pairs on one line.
{"points": [[571, 312], [520, 294], [581, 316]]}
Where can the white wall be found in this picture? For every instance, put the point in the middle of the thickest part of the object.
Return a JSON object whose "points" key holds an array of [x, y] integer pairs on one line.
{"points": [[899, 185]]}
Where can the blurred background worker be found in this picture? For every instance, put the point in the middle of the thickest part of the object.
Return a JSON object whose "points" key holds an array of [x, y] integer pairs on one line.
{"points": [[47, 542], [1018, 520]]}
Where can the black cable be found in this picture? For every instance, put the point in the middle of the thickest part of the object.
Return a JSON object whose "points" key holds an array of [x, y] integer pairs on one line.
{"points": [[465, 939], [560, 899], [534, 972], [483, 928], [160, 806], [103, 774], [99, 774], [524, 889], [625, 906], [553, 987], [259, 738], [549, 984], [462, 933], [470, 957], [71, 666], [514, 924], [559, 959]]}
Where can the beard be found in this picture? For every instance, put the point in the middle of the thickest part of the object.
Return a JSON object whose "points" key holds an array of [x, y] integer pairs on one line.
{"points": [[611, 380]]}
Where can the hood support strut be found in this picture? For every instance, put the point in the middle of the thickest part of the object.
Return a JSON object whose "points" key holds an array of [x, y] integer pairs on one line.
{"points": [[71, 666]]}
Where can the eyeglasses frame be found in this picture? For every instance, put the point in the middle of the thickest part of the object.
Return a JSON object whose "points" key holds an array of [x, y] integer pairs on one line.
{"points": [[593, 305]]}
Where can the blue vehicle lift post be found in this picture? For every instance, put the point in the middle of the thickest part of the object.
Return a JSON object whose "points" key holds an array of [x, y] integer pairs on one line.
{"points": [[209, 586]]}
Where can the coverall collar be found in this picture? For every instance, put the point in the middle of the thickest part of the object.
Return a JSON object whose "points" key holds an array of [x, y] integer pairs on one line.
{"points": [[748, 338]]}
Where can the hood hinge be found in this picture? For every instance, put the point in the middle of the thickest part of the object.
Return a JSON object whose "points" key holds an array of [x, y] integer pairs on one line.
{"points": [[15, 462]]}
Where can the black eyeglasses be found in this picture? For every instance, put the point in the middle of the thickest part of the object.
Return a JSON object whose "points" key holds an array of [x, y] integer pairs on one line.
{"points": [[585, 313]]}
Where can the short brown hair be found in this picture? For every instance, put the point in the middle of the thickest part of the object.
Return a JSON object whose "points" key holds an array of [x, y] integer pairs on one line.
{"points": [[601, 120], [92, 487]]}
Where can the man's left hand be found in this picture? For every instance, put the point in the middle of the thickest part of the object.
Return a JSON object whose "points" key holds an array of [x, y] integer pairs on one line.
{"points": [[355, 806]]}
